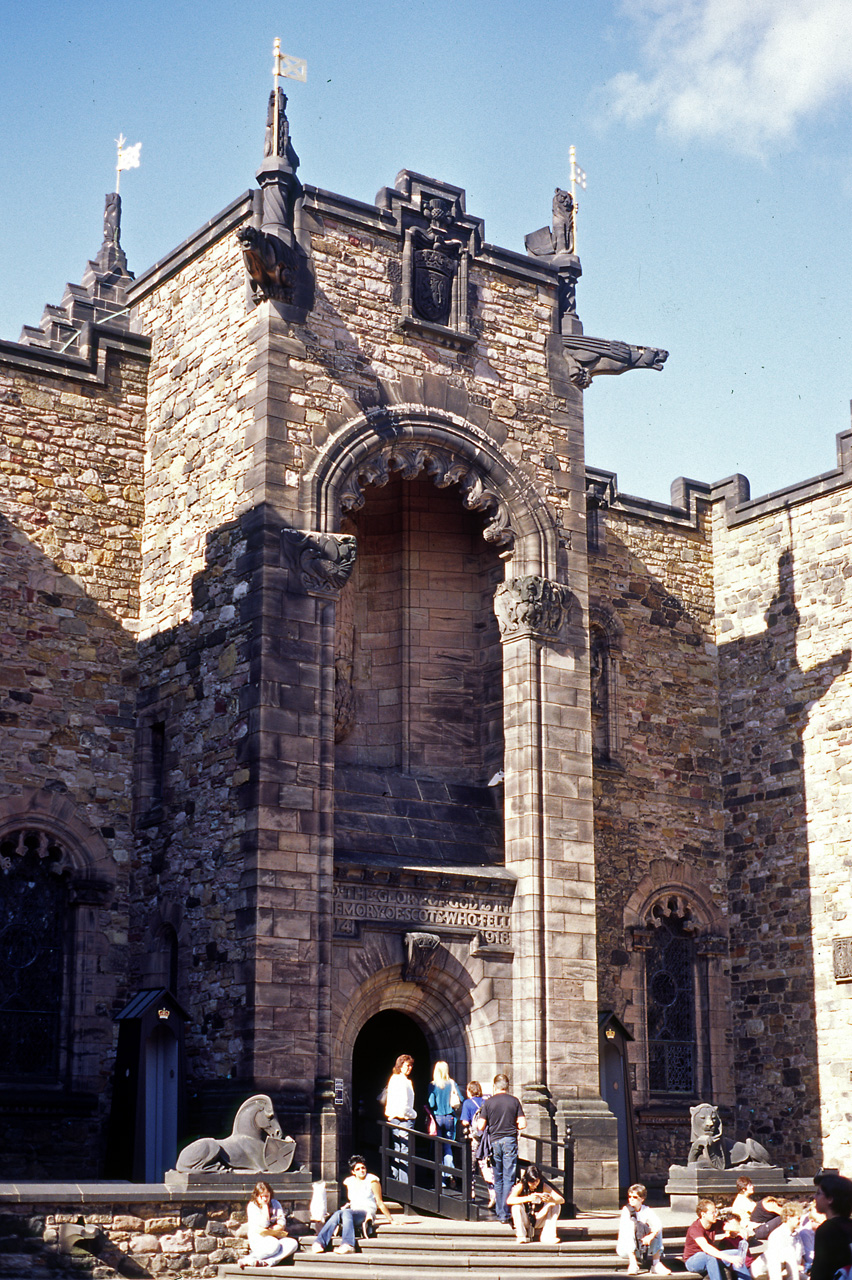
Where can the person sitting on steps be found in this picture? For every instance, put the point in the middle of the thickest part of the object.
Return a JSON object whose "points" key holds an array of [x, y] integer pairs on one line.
{"points": [[640, 1234], [535, 1207], [364, 1192]]}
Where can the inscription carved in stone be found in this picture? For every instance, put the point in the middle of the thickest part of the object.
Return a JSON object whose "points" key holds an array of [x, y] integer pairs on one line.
{"points": [[356, 904], [531, 606], [843, 959]]}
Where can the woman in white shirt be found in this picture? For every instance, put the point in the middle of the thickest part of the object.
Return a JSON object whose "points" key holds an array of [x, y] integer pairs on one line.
{"points": [[269, 1243], [399, 1109]]}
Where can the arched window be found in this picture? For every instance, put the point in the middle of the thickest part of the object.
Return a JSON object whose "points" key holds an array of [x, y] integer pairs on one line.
{"points": [[604, 630], [676, 988], [670, 999], [34, 946]]}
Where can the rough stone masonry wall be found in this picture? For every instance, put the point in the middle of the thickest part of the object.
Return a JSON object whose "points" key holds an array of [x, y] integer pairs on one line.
{"points": [[658, 799], [784, 627], [194, 656], [71, 514], [133, 1238]]}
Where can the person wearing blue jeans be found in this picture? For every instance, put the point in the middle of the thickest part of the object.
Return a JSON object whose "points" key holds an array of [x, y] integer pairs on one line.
{"points": [[702, 1255], [364, 1192], [504, 1118]]}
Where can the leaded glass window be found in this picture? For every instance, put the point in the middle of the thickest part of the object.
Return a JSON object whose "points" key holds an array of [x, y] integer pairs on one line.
{"points": [[670, 996], [33, 899]]}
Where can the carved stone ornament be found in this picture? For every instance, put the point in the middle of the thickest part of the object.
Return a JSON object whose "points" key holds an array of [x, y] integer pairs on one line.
{"points": [[272, 265], [409, 459], [590, 357], [323, 562], [842, 955], [255, 1145], [531, 606], [420, 949]]}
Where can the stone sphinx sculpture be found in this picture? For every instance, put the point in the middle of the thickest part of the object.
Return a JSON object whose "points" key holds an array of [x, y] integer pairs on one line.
{"points": [[709, 1150], [255, 1145]]}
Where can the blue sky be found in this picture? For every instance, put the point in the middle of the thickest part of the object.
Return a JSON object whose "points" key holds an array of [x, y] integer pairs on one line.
{"points": [[715, 135]]}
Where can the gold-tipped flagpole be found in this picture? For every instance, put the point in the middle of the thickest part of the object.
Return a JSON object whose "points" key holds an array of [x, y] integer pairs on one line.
{"points": [[276, 77], [578, 179]]}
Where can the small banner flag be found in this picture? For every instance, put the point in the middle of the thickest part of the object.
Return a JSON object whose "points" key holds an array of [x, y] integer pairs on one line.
{"points": [[294, 68], [128, 157]]}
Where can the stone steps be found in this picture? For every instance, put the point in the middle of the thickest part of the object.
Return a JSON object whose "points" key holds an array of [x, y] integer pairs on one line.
{"points": [[429, 1247]]}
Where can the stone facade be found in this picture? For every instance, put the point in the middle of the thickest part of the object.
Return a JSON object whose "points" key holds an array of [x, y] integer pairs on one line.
{"points": [[319, 633]]}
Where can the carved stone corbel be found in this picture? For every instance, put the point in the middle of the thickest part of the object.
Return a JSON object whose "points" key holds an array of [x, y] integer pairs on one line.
{"points": [[420, 956], [322, 562], [531, 606]]}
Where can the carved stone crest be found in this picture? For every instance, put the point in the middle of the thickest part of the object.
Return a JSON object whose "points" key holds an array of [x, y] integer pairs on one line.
{"points": [[420, 955], [436, 261], [531, 606]]}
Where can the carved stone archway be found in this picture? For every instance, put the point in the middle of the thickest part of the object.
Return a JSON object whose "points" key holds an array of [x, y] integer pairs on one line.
{"points": [[422, 425]]}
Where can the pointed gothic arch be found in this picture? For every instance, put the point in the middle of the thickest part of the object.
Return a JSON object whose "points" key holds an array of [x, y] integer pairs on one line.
{"points": [[54, 875], [677, 987], [425, 426]]}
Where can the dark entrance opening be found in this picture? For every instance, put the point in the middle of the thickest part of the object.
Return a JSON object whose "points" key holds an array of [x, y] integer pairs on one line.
{"points": [[380, 1042]]}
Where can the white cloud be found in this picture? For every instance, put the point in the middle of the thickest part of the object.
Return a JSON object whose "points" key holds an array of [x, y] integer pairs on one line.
{"points": [[744, 72]]}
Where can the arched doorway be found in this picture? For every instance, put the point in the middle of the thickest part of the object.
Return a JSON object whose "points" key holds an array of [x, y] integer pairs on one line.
{"points": [[378, 1045]]}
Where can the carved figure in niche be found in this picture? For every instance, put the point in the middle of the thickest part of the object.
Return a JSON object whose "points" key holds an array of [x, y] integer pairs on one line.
{"points": [[420, 949], [563, 221], [256, 1144], [271, 264], [709, 1150], [344, 698], [436, 261], [112, 219], [599, 674], [284, 147]]}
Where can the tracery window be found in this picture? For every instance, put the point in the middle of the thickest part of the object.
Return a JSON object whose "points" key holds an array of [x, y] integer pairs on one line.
{"points": [[33, 926], [670, 999]]}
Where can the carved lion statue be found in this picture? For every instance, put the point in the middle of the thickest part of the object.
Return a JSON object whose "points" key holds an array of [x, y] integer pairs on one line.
{"points": [[709, 1150], [706, 1147]]}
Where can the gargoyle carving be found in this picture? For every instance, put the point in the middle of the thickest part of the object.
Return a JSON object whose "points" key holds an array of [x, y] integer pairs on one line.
{"points": [[271, 264], [322, 561], [590, 357]]}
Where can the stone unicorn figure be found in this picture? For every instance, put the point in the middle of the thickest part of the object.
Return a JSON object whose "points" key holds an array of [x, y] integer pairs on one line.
{"points": [[256, 1144]]}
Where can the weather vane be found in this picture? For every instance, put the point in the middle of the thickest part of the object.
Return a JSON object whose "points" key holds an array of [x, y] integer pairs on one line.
{"points": [[128, 157], [578, 179], [284, 65]]}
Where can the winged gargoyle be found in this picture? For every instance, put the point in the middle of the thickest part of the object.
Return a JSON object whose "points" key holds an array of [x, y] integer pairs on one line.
{"points": [[590, 357]]}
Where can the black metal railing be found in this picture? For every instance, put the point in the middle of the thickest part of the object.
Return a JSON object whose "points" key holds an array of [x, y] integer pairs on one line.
{"points": [[414, 1171]]}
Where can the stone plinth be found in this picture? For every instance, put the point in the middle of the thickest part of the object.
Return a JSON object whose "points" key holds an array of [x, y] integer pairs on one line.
{"points": [[689, 1183]]}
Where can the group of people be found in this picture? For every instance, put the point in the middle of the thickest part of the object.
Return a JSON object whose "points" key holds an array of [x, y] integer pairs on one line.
{"points": [[529, 1204], [769, 1237]]}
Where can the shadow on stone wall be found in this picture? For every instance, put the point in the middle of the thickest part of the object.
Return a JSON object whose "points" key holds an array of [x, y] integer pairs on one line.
{"points": [[766, 701]]}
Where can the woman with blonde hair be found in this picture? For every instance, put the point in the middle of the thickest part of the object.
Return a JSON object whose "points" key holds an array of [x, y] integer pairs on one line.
{"points": [[443, 1104]]}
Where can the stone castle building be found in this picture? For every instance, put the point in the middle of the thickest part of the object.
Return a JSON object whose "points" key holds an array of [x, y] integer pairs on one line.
{"points": [[347, 712]]}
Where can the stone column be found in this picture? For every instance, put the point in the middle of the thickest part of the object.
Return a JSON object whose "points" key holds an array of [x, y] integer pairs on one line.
{"points": [[550, 847], [292, 759]]}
